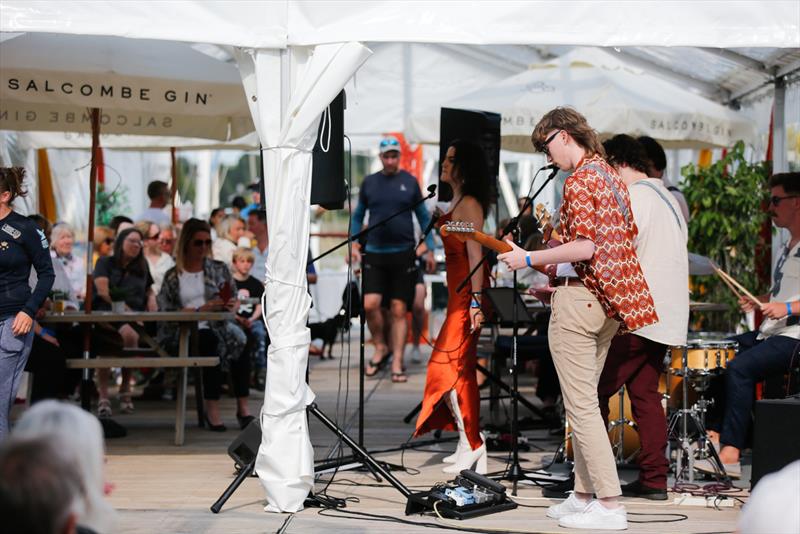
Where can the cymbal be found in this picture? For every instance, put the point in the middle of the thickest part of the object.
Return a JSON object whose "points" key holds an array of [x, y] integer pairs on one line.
{"points": [[708, 306]]}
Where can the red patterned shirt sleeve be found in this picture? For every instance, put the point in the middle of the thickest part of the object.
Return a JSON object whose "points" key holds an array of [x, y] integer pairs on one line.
{"points": [[578, 211]]}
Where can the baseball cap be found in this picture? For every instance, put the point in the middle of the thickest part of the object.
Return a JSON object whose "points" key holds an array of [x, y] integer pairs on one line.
{"points": [[389, 144]]}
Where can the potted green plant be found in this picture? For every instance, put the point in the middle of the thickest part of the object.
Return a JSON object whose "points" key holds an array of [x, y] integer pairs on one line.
{"points": [[727, 206], [118, 295]]}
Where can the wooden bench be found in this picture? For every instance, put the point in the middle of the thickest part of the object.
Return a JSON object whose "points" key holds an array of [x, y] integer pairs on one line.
{"points": [[165, 363]]}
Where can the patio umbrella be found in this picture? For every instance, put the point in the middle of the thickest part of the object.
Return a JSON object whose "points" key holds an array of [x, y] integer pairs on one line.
{"points": [[613, 96]]}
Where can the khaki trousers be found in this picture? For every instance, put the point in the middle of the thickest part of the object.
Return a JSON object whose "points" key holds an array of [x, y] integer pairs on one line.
{"points": [[579, 337]]}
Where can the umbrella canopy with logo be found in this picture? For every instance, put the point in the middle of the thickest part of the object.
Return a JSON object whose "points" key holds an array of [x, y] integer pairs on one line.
{"points": [[614, 97]]}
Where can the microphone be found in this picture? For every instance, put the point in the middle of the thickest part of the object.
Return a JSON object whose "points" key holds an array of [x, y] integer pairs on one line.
{"points": [[554, 171], [434, 220], [431, 190]]}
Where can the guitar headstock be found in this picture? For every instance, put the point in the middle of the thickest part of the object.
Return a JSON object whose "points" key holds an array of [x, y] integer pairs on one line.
{"points": [[542, 215], [459, 229]]}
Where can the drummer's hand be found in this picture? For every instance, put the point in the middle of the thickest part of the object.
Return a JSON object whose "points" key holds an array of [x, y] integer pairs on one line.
{"points": [[475, 319], [748, 305], [515, 258], [774, 310]]}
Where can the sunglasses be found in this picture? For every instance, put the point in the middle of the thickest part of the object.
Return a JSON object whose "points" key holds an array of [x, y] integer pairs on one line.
{"points": [[202, 242], [543, 147], [777, 200], [167, 240], [153, 237], [389, 142], [108, 241]]}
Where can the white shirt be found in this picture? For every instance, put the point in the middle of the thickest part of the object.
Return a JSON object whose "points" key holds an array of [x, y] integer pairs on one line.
{"points": [[156, 215], [158, 269], [786, 288], [192, 292], [661, 248], [259, 270], [772, 506]]}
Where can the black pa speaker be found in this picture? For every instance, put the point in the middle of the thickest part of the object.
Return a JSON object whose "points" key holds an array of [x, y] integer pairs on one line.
{"points": [[480, 127], [244, 448], [327, 176], [776, 436]]}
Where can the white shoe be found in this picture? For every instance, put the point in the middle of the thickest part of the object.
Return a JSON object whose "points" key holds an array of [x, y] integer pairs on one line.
{"points": [[416, 355], [595, 516], [459, 450], [468, 459], [570, 505]]}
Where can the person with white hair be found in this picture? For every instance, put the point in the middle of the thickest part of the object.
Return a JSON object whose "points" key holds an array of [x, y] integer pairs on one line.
{"points": [[62, 241], [80, 439], [231, 234]]}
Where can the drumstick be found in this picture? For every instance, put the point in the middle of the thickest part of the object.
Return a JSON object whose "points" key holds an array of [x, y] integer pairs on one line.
{"points": [[731, 282]]}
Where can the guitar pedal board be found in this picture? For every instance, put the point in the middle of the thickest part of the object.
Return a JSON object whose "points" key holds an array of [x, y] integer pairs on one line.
{"points": [[469, 495]]}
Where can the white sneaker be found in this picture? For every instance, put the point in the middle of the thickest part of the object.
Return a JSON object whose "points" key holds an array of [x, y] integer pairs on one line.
{"points": [[416, 355], [595, 516], [570, 505]]}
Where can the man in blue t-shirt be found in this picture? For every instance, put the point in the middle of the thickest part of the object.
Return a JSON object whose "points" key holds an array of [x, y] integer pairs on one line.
{"points": [[389, 258]]}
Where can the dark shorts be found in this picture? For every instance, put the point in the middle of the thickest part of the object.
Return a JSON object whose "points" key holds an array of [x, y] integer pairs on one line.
{"points": [[420, 279], [393, 275]]}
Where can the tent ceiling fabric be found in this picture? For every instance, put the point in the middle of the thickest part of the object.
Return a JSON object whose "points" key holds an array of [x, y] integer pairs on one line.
{"points": [[613, 96], [145, 87]]}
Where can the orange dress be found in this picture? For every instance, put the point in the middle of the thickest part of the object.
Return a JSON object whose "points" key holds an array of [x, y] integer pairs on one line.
{"points": [[452, 363]]}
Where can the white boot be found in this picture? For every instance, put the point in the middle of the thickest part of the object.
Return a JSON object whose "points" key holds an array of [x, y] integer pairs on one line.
{"points": [[464, 457]]}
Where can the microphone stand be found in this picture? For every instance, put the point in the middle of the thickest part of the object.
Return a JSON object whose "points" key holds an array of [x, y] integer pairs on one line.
{"points": [[514, 473], [358, 459]]}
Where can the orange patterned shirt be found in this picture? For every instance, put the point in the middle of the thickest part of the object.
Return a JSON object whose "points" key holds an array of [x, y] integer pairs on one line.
{"points": [[592, 210]]}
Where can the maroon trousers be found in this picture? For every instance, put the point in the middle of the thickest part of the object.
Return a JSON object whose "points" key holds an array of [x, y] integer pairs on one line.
{"points": [[637, 363]]}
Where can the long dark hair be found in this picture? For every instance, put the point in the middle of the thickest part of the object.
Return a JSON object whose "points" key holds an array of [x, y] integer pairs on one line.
{"points": [[190, 228], [471, 168], [11, 179], [137, 265]]}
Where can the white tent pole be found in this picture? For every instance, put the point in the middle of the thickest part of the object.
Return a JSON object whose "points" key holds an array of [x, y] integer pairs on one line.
{"points": [[779, 160]]}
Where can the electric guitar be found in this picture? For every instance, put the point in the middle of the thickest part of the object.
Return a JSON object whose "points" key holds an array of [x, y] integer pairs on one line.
{"points": [[464, 231]]}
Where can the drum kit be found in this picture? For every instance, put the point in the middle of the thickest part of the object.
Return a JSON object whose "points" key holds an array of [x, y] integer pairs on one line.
{"points": [[688, 371]]}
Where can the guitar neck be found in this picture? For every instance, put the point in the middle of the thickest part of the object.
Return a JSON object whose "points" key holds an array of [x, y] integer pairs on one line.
{"points": [[490, 242]]}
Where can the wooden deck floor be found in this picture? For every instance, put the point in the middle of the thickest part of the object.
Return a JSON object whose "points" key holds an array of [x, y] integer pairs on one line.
{"points": [[163, 488]]}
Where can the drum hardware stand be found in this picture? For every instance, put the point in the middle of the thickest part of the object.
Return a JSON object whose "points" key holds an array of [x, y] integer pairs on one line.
{"points": [[622, 422], [682, 436]]}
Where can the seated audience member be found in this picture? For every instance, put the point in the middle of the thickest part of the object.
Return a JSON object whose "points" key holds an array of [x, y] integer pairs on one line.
{"points": [[772, 349], [126, 271], [257, 224], [217, 214], [199, 283], [249, 314], [237, 205], [79, 438], [61, 250], [158, 193], [230, 231], [120, 223], [38, 488], [158, 261], [167, 239], [103, 243]]}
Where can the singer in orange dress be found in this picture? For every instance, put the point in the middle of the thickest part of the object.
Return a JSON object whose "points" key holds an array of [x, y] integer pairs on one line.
{"points": [[451, 400]]}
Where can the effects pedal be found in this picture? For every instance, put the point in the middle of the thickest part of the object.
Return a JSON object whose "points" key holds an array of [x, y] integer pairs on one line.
{"points": [[469, 495]]}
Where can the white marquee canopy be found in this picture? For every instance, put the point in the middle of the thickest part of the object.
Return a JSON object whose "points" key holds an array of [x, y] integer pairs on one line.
{"points": [[292, 64]]}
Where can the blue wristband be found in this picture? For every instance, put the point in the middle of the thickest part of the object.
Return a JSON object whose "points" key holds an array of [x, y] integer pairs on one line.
{"points": [[788, 309], [475, 304], [528, 260]]}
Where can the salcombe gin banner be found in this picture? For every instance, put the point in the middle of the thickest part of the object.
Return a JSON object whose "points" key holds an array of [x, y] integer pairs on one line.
{"points": [[53, 101]]}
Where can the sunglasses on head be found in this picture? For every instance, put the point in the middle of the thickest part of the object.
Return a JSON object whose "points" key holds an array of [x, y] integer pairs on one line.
{"points": [[202, 242], [389, 142]]}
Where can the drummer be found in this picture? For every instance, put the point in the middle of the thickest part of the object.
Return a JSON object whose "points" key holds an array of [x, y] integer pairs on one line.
{"points": [[770, 350], [635, 360]]}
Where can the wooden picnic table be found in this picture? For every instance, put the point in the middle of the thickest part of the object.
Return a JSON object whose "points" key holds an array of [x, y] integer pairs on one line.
{"points": [[187, 322]]}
